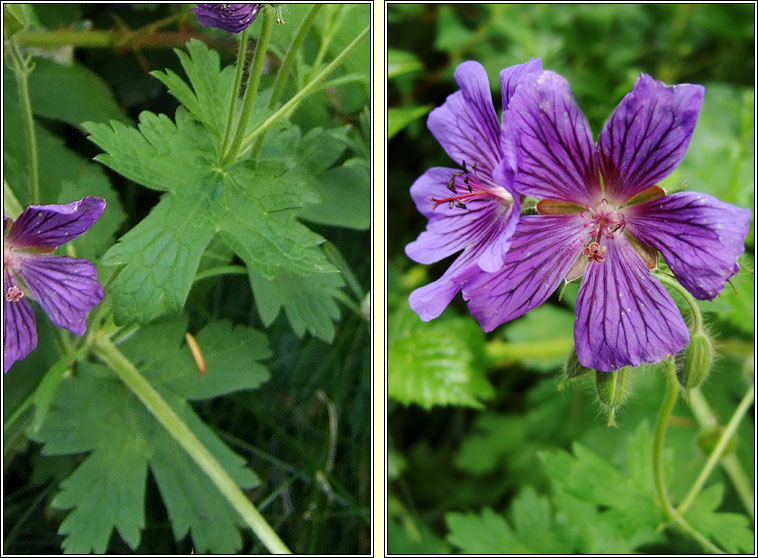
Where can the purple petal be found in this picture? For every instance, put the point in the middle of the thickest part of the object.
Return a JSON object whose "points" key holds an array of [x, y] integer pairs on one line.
{"points": [[512, 76], [19, 326], [699, 236], [466, 125], [431, 300], [65, 288], [485, 224], [49, 226], [647, 135], [553, 142], [229, 17], [543, 249], [624, 316]]}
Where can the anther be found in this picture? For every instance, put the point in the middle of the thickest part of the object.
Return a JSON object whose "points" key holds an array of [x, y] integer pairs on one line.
{"points": [[14, 294]]}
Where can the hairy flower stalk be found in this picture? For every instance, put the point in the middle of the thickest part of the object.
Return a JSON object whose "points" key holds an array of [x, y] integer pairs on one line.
{"points": [[603, 218], [471, 208], [66, 288]]}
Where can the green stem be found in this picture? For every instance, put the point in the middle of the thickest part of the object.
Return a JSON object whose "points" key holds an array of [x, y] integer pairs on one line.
{"points": [[284, 69], [305, 91], [697, 318], [713, 459], [22, 69], [252, 87], [236, 89], [102, 39], [669, 400], [331, 26], [136, 382], [706, 418]]}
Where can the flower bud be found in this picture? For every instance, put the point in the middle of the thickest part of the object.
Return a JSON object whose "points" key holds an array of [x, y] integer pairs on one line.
{"points": [[694, 362], [612, 388], [572, 369]]}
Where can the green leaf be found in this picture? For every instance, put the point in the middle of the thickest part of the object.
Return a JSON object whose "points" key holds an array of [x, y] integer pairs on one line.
{"points": [[107, 490], [252, 206], [208, 97], [160, 155], [399, 118], [401, 62], [626, 505], [345, 194], [161, 255], [486, 533], [437, 363], [72, 93], [231, 356], [730, 530]]}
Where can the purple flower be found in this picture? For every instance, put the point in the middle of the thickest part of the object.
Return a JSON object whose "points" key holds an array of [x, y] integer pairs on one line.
{"points": [[601, 216], [66, 288], [229, 17], [470, 208]]}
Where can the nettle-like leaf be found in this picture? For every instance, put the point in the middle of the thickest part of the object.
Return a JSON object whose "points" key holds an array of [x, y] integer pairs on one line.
{"points": [[252, 206], [94, 412], [437, 363], [730, 530], [614, 513], [533, 532], [594, 508]]}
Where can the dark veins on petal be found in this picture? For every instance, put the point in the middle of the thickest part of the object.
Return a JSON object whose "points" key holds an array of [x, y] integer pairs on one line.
{"points": [[653, 165]]}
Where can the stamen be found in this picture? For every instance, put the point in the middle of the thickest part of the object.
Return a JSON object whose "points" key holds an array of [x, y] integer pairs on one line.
{"points": [[467, 187], [14, 294], [595, 252]]}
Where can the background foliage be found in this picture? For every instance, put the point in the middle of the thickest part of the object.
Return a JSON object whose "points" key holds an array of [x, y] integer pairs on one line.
{"points": [[285, 404], [485, 454]]}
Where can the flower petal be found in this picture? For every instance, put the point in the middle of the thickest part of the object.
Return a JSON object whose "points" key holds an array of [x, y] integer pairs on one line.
{"points": [[485, 225], [552, 142], [543, 249], [466, 125], [50, 226], [19, 327], [66, 288], [229, 17], [647, 135], [431, 300], [699, 236], [624, 316], [513, 75]]}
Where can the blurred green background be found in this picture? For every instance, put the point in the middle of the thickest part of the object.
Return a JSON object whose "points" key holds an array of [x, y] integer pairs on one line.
{"points": [[472, 416]]}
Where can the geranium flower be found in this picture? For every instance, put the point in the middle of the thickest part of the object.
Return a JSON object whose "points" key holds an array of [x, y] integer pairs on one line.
{"points": [[229, 17], [470, 208], [601, 216], [66, 288]]}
